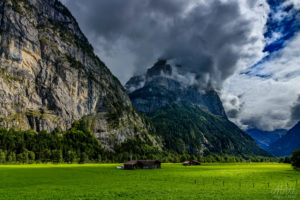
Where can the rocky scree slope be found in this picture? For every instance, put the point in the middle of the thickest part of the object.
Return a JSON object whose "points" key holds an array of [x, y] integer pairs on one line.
{"points": [[50, 76]]}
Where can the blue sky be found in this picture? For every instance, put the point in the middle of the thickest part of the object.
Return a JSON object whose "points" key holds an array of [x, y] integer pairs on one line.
{"points": [[282, 21], [282, 26]]}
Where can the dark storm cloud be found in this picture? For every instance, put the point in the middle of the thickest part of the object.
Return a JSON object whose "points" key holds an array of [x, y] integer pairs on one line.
{"points": [[130, 19], [206, 37], [295, 110]]}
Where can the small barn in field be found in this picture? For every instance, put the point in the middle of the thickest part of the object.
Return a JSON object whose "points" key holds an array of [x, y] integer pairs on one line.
{"points": [[142, 164], [191, 162]]}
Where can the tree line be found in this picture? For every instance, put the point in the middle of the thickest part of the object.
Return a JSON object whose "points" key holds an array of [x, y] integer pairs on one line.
{"points": [[78, 145], [75, 145]]}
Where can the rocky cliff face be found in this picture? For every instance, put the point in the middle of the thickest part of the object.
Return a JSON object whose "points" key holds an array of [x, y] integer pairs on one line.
{"points": [[159, 87], [50, 77]]}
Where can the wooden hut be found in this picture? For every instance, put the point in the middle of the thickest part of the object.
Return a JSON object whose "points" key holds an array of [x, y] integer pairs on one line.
{"points": [[191, 162], [142, 164], [133, 164], [186, 163]]}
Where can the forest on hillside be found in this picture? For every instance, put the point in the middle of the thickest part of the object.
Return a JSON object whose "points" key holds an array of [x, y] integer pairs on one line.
{"points": [[78, 145]]}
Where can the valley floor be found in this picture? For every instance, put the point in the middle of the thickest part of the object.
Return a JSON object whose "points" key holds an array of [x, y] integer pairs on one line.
{"points": [[174, 181]]}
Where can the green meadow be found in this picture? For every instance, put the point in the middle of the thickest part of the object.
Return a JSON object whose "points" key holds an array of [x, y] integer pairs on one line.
{"points": [[174, 181]]}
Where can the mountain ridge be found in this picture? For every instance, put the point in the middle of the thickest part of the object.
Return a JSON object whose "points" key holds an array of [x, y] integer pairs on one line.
{"points": [[265, 138], [288, 143]]}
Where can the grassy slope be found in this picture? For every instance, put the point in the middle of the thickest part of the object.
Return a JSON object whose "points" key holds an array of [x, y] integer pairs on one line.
{"points": [[173, 181]]}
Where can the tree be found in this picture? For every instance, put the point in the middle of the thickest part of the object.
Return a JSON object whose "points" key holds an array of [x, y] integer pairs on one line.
{"points": [[57, 156], [11, 157], [70, 156], [31, 157], [22, 157], [45, 155], [287, 160], [83, 158], [295, 159], [99, 158], [2, 157], [281, 160]]}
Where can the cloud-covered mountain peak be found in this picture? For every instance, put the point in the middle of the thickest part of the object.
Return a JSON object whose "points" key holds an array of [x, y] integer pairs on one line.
{"points": [[163, 85]]}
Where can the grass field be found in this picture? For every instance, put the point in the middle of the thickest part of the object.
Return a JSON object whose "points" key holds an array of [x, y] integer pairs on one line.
{"points": [[173, 181]]}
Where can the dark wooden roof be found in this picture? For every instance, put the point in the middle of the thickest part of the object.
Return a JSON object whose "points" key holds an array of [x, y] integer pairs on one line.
{"points": [[144, 162], [149, 162], [190, 162], [195, 161], [132, 162]]}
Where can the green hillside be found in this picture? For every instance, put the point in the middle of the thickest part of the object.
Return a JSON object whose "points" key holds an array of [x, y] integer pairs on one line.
{"points": [[186, 128]]}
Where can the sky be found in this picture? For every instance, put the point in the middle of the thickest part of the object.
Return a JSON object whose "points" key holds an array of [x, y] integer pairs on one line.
{"points": [[248, 50]]}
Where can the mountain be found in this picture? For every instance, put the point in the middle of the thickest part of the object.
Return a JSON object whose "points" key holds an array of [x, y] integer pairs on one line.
{"points": [[157, 88], [50, 76], [189, 120], [288, 143], [265, 138]]}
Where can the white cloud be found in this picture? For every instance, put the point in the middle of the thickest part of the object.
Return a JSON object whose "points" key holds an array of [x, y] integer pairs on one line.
{"points": [[267, 101], [296, 3]]}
